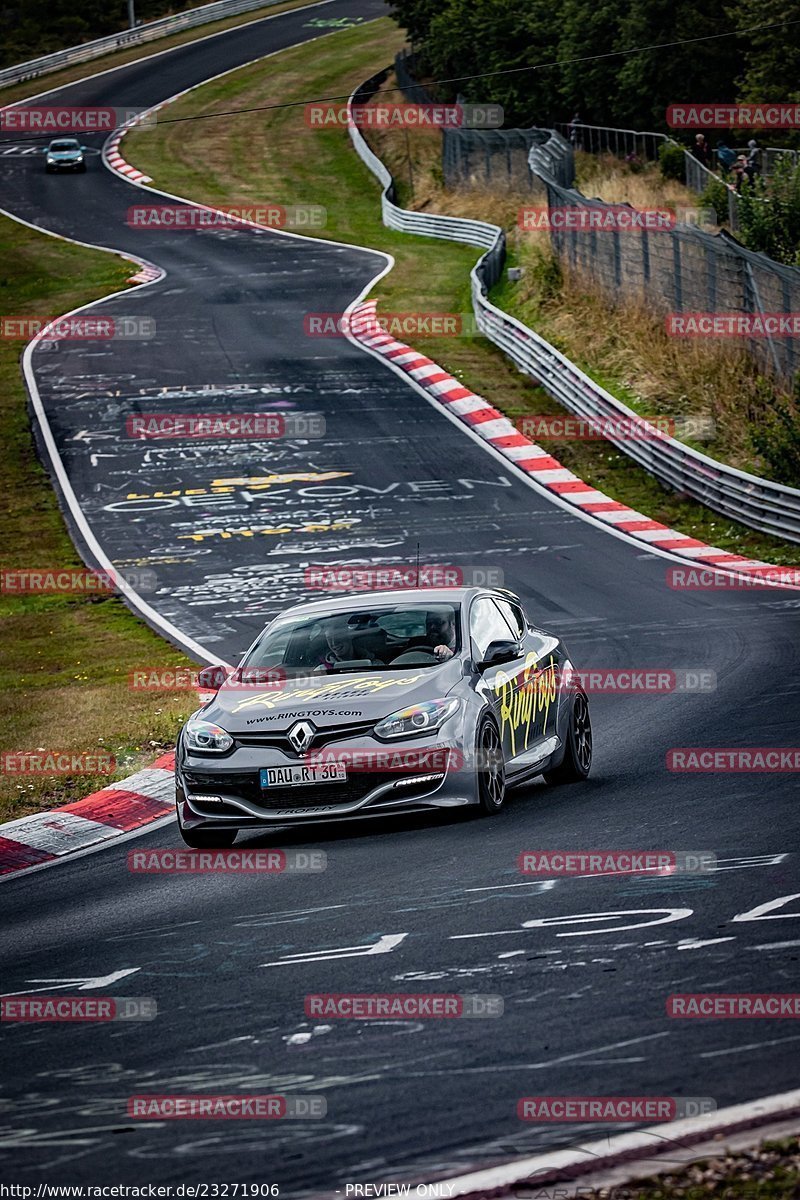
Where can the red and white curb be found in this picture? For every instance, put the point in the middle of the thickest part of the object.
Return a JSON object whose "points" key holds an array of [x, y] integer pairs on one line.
{"points": [[123, 806], [476, 412], [117, 163], [656, 1142], [111, 155], [148, 274]]}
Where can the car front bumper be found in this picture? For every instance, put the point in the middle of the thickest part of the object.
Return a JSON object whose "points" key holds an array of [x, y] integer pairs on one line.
{"points": [[226, 793]]}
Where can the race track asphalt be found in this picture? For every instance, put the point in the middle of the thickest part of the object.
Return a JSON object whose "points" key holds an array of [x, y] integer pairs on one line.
{"points": [[584, 1004]]}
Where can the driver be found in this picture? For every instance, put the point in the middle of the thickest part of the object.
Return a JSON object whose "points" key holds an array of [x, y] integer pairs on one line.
{"points": [[440, 628], [339, 642]]}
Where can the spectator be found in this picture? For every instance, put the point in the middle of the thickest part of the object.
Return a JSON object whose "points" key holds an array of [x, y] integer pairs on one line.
{"points": [[725, 156], [739, 171], [700, 149], [573, 130], [753, 159]]}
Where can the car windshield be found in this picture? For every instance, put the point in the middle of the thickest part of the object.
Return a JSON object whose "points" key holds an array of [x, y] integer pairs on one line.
{"points": [[385, 638], [59, 146]]}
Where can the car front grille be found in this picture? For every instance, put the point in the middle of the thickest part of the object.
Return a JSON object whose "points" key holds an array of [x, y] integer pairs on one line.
{"points": [[322, 737], [360, 784]]}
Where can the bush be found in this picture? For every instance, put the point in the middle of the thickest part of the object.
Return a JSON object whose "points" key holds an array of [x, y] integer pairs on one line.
{"points": [[777, 438], [769, 217], [715, 195], [671, 160], [546, 275]]}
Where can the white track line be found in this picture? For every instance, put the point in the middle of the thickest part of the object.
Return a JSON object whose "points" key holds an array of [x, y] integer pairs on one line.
{"points": [[627, 1147]]}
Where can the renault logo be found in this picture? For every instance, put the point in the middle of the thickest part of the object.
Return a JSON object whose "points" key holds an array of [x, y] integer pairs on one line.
{"points": [[301, 736]]}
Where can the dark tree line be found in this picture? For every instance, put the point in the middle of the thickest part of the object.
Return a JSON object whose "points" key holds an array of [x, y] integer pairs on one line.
{"points": [[563, 42], [29, 28]]}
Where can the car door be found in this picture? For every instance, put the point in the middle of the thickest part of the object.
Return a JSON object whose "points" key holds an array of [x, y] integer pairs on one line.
{"points": [[500, 683], [538, 681], [522, 691]]}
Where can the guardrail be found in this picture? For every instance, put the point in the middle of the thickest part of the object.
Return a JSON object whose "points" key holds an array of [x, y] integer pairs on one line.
{"points": [[148, 32], [753, 501]]}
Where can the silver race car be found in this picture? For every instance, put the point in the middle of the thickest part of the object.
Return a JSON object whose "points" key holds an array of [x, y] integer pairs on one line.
{"points": [[378, 704]]}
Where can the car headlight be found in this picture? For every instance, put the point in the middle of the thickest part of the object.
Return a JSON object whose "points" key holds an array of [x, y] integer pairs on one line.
{"points": [[206, 736], [427, 717]]}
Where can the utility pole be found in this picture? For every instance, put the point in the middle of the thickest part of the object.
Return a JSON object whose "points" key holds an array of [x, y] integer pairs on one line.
{"points": [[131, 14]]}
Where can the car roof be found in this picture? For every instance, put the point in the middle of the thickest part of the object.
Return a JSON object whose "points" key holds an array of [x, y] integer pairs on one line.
{"points": [[367, 600]]}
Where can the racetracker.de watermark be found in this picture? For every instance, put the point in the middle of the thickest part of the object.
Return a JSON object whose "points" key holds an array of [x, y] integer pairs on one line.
{"points": [[733, 1006], [545, 427], [246, 1107], [395, 324], [67, 581], [639, 681], [172, 217], [601, 218], [77, 328], [346, 578], [425, 117], [733, 324], [193, 679], [707, 579], [613, 1109], [56, 762], [226, 862], [698, 115], [54, 119], [415, 1005], [547, 863], [71, 1009], [204, 426], [732, 760]]}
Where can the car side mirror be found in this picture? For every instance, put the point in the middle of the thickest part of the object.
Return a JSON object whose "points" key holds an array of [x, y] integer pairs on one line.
{"points": [[211, 679], [498, 652]]}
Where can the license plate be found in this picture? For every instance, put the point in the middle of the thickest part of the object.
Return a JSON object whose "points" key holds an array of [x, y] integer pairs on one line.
{"points": [[299, 776]]}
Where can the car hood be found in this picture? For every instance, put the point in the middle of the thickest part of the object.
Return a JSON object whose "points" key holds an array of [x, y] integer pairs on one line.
{"points": [[329, 699], [65, 155]]}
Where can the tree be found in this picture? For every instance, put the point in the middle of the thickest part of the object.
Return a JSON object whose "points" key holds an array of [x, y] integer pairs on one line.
{"points": [[589, 87], [650, 80], [771, 66]]}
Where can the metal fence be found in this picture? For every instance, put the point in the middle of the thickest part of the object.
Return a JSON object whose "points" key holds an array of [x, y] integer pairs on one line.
{"points": [[682, 269], [129, 37], [758, 503], [602, 139], [645, 145], [483, 157]]}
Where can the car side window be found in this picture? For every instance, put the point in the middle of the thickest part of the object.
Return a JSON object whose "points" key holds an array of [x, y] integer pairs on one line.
{"points": [[486, 625], [512, 614]]}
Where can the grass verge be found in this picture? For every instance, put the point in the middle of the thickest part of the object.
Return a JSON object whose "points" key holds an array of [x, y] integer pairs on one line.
{"points": [[65, 665], [769, 1172], [295, 164]]}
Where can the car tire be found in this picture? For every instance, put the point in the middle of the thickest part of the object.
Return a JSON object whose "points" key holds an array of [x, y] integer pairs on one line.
{"points": [[491, 769], [577, 761], [208, 839], [82, 167]]}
